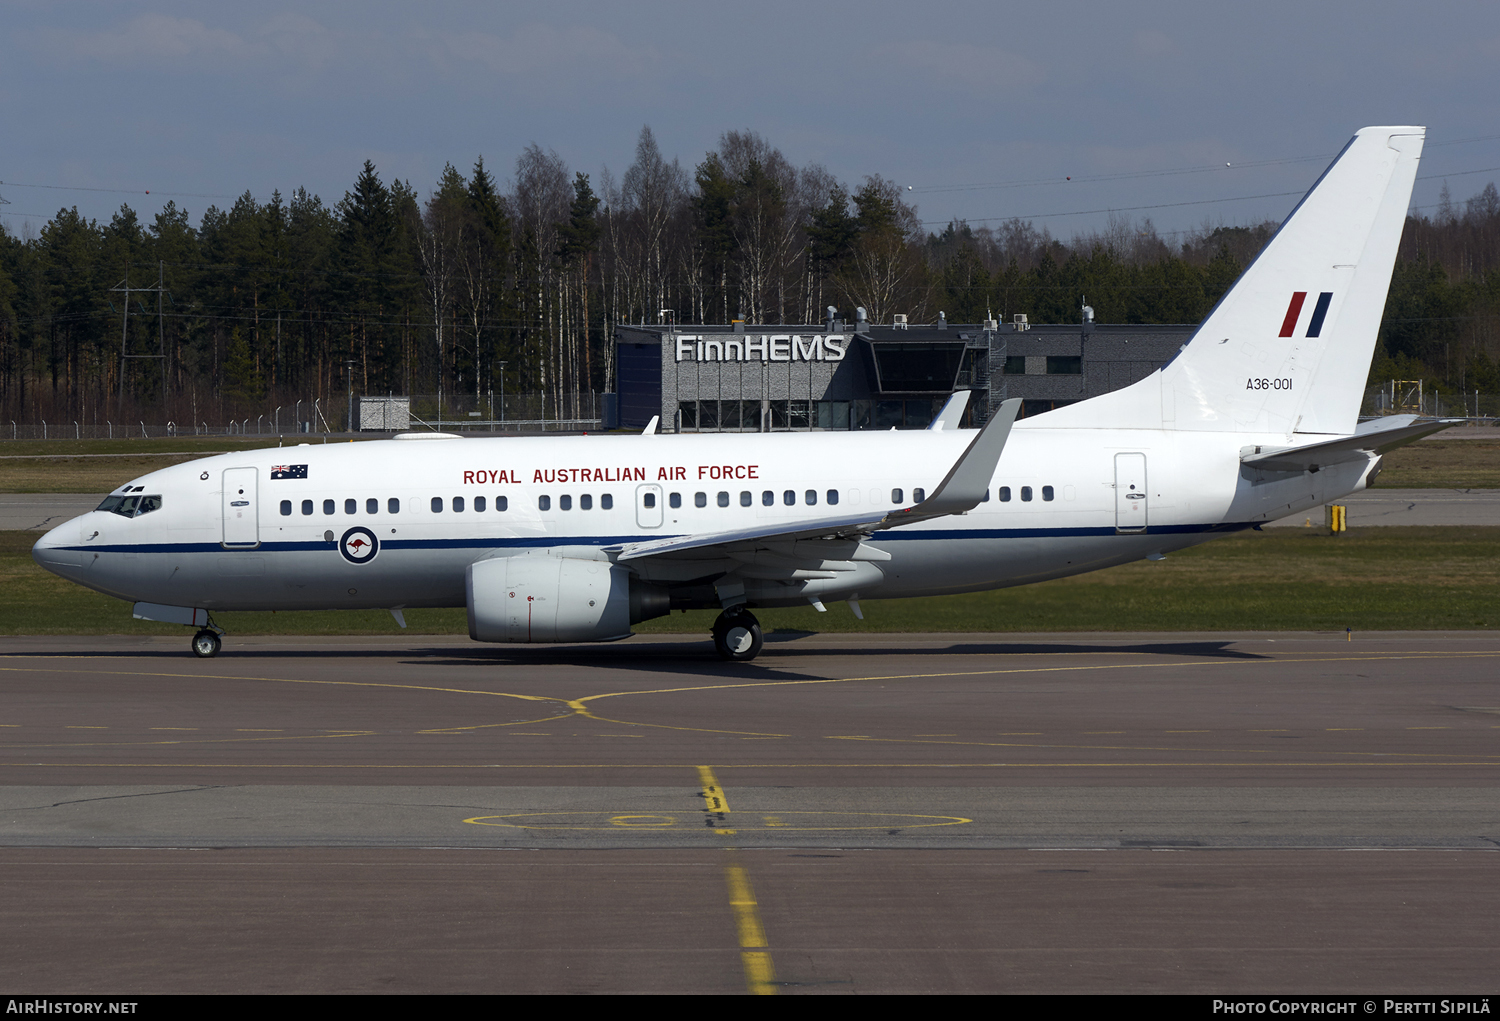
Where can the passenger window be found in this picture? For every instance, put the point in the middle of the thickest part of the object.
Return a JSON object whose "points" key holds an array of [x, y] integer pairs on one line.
{"points": [[768, 499], [1005, 494], [458, 505], [585, 502], [437, 505], [607, 501], [896, 495], [393, 506], [1046, 492], [723, 499], [833, 496], [647, 499], [674, 500], [918, 495], [327, 506], [372, 506], [479, 505], [286, 508], [306, 506], [811, 497], [1025, 494], [502, 503], [986, 497], [700, 499], [565, 502], [545, 502], [789, 497], [351, 507], [746, 499]]}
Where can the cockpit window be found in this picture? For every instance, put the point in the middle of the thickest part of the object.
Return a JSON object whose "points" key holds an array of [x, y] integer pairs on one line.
{"points": [[130, 506]]}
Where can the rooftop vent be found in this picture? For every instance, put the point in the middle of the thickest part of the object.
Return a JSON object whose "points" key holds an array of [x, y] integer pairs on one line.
{"points": [[1019, 322], [899, 320]]}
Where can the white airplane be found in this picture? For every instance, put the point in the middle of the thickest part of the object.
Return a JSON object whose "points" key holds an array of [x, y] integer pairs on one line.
{"points": [[574, 539]]}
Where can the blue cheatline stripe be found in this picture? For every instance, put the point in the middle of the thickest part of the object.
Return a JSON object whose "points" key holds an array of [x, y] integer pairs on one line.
{"points": [[1315, 327], [542, 542]]}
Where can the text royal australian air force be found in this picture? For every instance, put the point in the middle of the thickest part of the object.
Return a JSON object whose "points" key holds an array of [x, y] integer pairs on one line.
{"points": [[620, 473], [762, 347]]}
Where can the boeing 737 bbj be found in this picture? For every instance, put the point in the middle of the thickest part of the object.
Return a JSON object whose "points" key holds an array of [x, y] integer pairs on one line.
{"points": [[574, 539]]}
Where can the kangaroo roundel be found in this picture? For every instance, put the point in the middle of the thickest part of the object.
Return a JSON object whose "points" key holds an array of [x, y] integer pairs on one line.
{"points": [[359, 545]]}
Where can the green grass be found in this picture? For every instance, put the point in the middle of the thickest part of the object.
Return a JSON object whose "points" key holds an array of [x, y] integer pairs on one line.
{"points": [[1371, 579]]}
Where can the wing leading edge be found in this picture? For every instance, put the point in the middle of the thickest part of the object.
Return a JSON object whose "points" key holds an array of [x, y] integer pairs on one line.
{"points": [[962, 489]]}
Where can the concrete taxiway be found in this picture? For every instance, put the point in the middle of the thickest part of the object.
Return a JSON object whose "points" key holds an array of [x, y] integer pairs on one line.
{"points": [[1228, 813]]}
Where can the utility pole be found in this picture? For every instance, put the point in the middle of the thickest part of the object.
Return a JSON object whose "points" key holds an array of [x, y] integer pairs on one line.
{"points": [[161, 354]]}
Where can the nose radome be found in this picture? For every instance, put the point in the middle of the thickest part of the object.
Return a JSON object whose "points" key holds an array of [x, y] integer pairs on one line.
{"points": [[52, 550]]}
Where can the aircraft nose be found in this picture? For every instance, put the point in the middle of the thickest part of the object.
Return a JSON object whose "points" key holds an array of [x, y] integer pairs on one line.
{"points": [[57, 550]]}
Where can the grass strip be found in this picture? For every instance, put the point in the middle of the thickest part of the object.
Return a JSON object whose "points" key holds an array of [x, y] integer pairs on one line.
{"points": [[1277, 580]]}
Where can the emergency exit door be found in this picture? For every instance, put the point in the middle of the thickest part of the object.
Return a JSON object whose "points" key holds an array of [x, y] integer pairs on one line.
{"points": [[1131, 502], [241, 526]]}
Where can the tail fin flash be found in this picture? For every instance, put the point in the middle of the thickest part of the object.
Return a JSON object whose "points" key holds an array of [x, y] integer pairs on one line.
{"points": [[1288, 348]]}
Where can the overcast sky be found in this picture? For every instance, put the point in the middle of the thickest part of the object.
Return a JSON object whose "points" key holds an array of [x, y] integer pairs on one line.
{"points": [[202, 102]]}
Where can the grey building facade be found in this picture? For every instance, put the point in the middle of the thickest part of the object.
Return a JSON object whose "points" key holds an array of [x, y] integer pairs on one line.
{"points": [[839, 375]]}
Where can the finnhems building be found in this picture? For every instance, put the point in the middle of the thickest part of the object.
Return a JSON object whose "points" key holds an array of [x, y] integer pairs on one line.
{"points": [[842, 375]]}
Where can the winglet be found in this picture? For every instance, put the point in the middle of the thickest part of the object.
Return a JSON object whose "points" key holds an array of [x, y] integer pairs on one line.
{"points": [[968, 480], [953, 412], [651, 426]]}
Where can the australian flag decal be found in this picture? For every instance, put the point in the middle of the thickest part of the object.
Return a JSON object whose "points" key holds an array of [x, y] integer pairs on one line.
{"points": [[289, 471]]}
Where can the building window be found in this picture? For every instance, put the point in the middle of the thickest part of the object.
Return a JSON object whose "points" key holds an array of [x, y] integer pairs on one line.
{"points": [[1064, 365], [687, 412], [1015, 365]]}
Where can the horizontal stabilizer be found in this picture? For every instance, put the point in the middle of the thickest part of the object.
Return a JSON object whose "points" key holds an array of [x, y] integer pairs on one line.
{"points": [[1374, 438]]}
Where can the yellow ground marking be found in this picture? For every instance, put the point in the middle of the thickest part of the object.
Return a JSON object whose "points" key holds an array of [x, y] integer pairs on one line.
{"points": [[91, 728], [174, 728], [677, 766], [1184, 732], [1104, 732], [196, 741], [490, 726], [822, 821], [760, 974], [1130, 748]]}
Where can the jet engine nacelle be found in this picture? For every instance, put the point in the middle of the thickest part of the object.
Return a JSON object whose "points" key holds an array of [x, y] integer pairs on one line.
{"points": [[556, 599]]}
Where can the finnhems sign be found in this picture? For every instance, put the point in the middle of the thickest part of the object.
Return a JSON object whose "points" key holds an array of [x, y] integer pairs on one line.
{"points": [[761, 347]]}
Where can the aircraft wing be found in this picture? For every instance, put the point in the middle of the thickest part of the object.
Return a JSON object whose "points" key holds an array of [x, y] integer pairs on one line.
{"points": [[1376, 437], [961, 490]]}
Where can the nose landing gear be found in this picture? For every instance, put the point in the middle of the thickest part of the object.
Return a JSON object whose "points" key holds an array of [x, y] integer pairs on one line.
{"points": [[737, 635]]}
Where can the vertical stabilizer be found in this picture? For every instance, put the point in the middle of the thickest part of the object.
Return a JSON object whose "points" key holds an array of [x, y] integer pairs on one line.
{"points": [[1288, 349]]}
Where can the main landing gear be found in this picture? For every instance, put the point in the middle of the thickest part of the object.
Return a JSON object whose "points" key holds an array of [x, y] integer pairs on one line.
{"points": [[737, 635], [206, 643]]}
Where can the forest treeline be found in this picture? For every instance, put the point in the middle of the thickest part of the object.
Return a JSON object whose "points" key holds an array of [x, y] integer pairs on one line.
{"points": [[389, 290]]}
